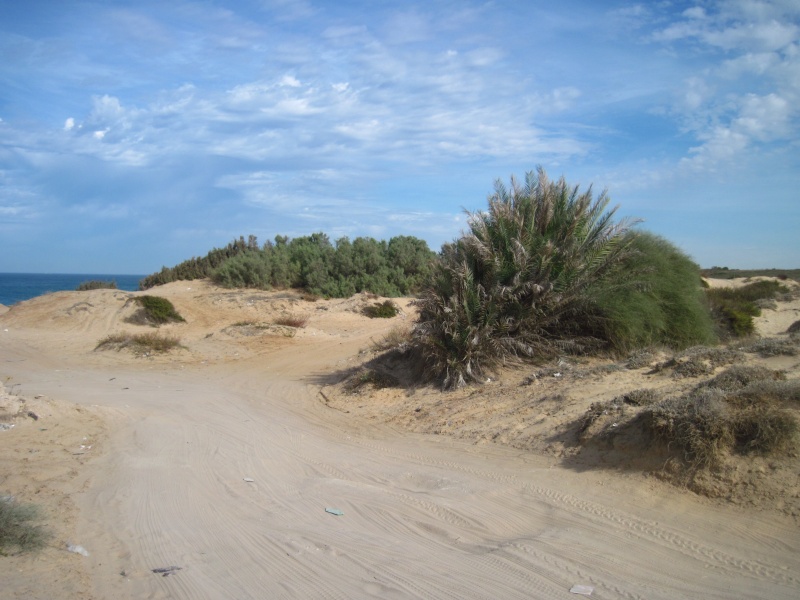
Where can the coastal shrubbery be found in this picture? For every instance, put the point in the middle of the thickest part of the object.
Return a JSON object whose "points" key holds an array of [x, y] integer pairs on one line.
{"points": [[734, 308], [199, 268], [96, 285], [315, 264]]}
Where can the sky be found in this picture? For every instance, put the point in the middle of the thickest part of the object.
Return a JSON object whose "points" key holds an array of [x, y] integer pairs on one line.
{"points": [[138, 134]]}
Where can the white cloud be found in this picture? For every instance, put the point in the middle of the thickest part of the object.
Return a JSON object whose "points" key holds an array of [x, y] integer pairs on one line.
{"points": [[289, 81], [750, 96], [69, 124]]}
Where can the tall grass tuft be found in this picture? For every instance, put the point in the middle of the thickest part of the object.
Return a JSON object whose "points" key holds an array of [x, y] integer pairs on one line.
{"points": [[516, 285], [18, 528]]}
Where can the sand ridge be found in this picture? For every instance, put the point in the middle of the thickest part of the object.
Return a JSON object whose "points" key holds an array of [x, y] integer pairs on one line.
{"points": [[222, 457]]}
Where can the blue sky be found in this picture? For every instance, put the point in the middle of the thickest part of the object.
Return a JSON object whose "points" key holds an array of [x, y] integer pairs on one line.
{"points": [[136, 134]]}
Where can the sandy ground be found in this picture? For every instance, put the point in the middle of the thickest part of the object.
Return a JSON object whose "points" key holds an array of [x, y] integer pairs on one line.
{"points": [[221, 459]]}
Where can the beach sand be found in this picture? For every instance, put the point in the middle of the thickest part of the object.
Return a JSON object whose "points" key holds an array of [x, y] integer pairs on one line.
{"points": [[222, 457]]}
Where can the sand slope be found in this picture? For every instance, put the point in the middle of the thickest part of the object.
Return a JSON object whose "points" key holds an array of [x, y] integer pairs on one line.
{"points": [[221, 459]]}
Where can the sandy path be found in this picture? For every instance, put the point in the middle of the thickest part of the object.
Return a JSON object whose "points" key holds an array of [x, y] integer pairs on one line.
{"points": [[424, 517]]}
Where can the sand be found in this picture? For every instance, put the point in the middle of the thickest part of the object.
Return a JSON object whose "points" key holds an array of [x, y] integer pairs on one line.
{"points": [[221, 458]]}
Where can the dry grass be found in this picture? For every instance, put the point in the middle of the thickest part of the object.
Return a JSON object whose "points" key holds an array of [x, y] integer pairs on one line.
{"points": [[141, 344], [369, 377], [289, 320], [740, 410], [398, 337], [18, 530]]}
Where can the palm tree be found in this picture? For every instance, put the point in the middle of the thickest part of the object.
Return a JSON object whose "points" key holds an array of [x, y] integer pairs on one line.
{"points": [[515, 285]]}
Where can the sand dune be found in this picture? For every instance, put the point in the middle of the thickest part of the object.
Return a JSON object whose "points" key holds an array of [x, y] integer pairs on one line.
{"points": [[222, 458]]}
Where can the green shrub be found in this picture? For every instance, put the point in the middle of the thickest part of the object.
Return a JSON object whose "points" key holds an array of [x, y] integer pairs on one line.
{"points": [[18, 530], [516, 285], [325, 269], [96, 285], [653, 298], [734, 308], [382, 310], [245, 270], [157, 310]]}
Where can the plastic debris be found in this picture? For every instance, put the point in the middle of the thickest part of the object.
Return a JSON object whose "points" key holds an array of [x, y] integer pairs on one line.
{"points": [[249, 480], [6, 426], [583, 590], [166, 571], [334, 511], [76, 549]]}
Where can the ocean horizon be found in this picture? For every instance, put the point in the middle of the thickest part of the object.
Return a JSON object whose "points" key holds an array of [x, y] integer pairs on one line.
{"points": [[17, 287]]}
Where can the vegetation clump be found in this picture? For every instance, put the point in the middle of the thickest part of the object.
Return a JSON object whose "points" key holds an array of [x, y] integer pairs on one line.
{"points": [[156, 311], [312, 263], [369, 377], [741, 410], [296, 321], [653, 297], [19, 531], [734, 308], [142, 344], [546, 270], [382, 310], [398, 337], [96, 285]]}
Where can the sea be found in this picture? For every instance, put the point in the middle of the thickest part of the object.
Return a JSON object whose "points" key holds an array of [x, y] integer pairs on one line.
{"points": [[16, 287]]}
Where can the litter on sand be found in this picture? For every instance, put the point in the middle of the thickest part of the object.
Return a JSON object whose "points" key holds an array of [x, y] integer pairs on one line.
{"points": [[334, 511], [166, 571], [249, 480], [583, 590], [77, 549]]}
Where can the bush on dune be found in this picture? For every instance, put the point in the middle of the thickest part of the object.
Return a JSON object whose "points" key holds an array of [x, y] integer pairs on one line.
{"points": [[547, 270], [157, 310], [734, 308], [327, 269], [517, 284], [654, 297], [95, 284]]}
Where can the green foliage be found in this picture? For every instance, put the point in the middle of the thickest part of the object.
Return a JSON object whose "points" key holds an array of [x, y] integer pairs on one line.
{"points": [[18, 530], [96, 285], [245, 270], [653, 297], [158, 310], [382, 310], [200, 268], [734, 308], [517, 284], [140, 344], [324, 269]]}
